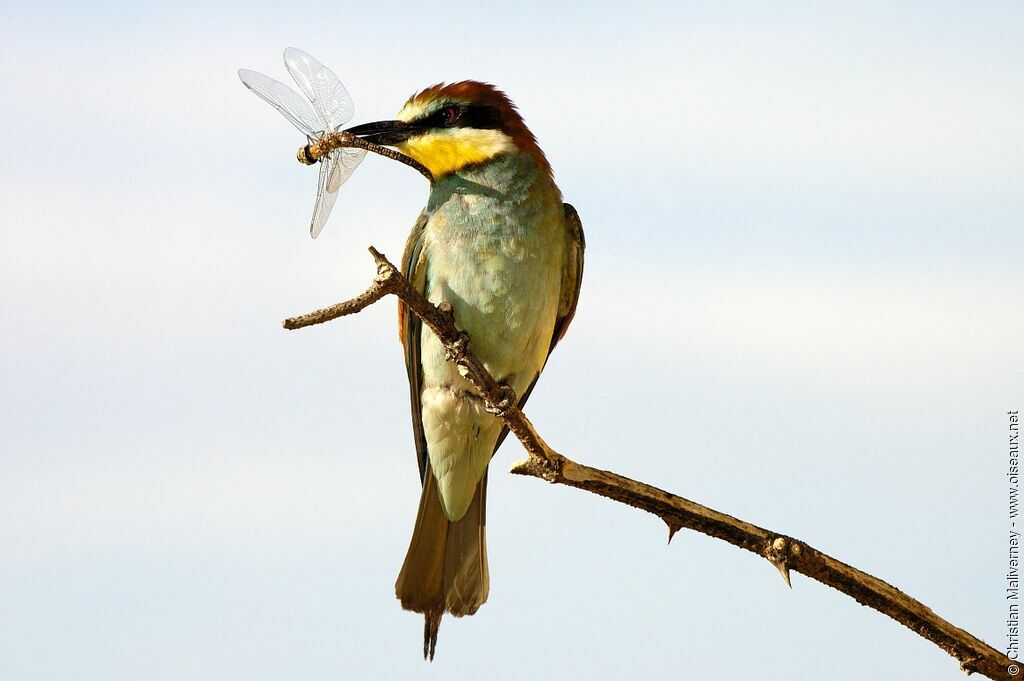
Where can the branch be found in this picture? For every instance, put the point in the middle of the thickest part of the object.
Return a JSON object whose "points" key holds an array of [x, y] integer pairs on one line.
{"points": [[785, 553]]}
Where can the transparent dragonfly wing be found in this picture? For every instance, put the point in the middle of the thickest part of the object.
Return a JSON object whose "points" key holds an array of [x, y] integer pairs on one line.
{"points": [[350, 159], [286, 100], [335, 169], [325, 198], [329, 97]]}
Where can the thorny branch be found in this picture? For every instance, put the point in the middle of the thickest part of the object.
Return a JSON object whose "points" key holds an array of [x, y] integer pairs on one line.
{"points": [[785, 553]]}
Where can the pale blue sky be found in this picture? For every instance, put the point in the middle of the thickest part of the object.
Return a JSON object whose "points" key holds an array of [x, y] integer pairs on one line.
{"points": [[801, 306]]}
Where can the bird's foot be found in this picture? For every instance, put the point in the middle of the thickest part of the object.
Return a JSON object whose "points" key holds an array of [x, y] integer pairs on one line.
{"points": [[456, 351], [507, 401]]}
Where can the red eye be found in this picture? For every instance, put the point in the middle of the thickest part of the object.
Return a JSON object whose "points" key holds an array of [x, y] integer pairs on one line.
{"points": [[450, 114]]}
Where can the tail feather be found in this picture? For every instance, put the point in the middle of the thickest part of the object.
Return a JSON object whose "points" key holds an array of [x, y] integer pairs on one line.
{"points": [[445, 569]]}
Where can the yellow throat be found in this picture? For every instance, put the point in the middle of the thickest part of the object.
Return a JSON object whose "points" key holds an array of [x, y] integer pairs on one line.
{"points": [[446, 151]]}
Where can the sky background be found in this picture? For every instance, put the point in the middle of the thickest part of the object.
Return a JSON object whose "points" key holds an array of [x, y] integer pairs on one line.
{"points": [[801, 306]]}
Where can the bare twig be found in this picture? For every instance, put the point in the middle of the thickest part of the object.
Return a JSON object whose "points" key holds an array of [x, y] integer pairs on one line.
{"points": [[388, 280], [785, 553]]}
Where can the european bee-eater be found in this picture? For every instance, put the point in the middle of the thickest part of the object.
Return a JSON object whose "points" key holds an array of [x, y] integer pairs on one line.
{"points": [[497, 243]]}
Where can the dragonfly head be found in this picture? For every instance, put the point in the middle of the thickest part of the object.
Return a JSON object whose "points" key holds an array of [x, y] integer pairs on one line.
{"points": [[305, 155], [450, 127]]}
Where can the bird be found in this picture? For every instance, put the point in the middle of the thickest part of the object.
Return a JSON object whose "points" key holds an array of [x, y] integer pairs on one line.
{"points": [[497, 243]]}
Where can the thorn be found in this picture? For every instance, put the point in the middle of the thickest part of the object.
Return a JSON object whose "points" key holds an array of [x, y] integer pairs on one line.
{"points": [[672, 529], [783, 569], [777, 554]]}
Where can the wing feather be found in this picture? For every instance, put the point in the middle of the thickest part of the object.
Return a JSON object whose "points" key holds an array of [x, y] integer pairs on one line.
{"points": [[572, 274], [414, 269]]}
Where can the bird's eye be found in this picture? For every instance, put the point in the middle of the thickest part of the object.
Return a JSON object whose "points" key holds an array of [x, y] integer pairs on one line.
{"points": [[450, 114]]}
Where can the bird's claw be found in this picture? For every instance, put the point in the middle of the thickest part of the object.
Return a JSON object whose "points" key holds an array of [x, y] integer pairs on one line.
{"points": [[456, 351], [503, 405]]}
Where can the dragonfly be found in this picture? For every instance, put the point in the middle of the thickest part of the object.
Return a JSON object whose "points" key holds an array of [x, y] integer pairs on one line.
{"points": [[331, 108]]}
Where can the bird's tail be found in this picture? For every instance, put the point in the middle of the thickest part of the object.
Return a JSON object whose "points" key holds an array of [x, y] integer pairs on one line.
{"points": [[445, 569]]}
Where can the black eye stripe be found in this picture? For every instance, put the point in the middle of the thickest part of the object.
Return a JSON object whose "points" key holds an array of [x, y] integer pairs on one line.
{"points": [[480, 117], [468, 116]]}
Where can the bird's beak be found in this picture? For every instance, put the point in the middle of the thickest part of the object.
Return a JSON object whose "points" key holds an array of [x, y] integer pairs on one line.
{"points": [[385, 132]]}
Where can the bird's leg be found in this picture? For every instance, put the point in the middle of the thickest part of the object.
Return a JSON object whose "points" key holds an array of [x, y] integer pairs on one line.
{"points": [[457, 349], [507, 401]]}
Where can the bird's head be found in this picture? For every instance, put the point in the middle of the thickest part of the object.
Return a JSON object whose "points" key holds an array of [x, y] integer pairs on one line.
{"points": [[450, 127]]}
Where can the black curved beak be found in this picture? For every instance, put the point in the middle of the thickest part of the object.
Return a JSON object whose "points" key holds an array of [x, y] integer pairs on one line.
{"points": [[385, 132]]}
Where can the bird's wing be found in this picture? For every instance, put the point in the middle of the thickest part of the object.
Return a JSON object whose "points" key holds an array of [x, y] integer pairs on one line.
{"points": [[409, 333], [572, 274], [572, 278]]}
